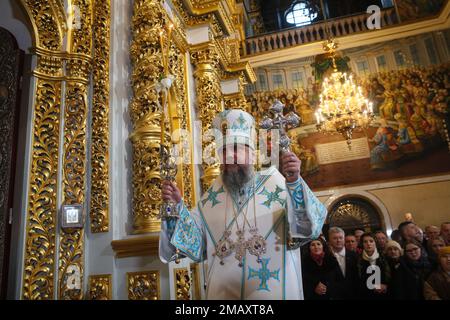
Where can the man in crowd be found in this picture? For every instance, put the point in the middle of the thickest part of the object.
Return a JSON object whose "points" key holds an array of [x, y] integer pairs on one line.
{"points": [[344, 283], [408, 231], [431, 232], [381, 240], [350, 243], [445, 232]]}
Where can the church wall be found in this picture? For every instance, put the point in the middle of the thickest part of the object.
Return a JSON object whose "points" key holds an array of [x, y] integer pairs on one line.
{"points": [[428, 202]]}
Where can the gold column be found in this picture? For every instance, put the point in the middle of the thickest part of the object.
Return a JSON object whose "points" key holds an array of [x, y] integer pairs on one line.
{"points": [[209, 100], [181, 118], [78, 67], [39, 258], [99, 200], [146, 58], [39, 263]]}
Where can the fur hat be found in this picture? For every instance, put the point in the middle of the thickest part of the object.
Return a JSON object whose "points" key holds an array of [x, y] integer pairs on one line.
{"points": [[392, 243]]}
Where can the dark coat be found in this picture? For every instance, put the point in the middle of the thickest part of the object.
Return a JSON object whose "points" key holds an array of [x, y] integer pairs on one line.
{"points": [[363, 291], [409, 279], [312, 274], [343, 287]]}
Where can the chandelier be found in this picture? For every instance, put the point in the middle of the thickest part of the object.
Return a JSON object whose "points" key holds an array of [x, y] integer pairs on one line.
{"points": [[343, 107]]}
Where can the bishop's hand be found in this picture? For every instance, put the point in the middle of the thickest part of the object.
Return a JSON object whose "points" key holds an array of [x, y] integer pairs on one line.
{"points": [[170, 192], [290, 163]]}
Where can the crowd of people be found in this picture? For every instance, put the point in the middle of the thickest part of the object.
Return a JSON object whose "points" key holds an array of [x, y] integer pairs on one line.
{"points": [[408, 265]]}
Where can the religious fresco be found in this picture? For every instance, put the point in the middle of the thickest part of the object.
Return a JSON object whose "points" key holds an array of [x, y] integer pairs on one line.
{"points": [[407, 138], [416, 9]]}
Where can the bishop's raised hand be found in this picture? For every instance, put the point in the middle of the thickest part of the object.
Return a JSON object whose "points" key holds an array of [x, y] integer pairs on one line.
{"points": [[290, 163], [170, 192]]}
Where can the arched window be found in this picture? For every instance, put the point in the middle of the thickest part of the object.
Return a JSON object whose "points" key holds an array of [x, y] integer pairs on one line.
{"points": [[301, 13], [352, 213]]}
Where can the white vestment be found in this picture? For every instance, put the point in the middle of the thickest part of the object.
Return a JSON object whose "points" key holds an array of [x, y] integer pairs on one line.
{"points": [[281, 209]]}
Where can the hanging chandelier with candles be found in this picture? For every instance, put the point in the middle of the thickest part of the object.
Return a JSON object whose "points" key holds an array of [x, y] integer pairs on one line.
{"points": [[343, 107]]}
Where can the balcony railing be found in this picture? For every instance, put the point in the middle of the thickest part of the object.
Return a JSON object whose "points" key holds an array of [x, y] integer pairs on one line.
{"points": [[339, 27]]}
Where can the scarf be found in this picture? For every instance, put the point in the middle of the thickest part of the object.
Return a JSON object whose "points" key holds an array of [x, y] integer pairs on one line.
{"points": [[419, 266], [318, 258], [373, 258]]}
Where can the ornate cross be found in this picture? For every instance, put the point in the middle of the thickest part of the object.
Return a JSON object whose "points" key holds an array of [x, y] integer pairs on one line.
{"points": [[264, 274], [273, 196], [281, 122], [212, 196]]}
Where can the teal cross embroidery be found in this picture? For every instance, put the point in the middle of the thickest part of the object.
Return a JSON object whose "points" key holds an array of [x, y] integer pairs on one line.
{"points": [[272, 197], [212, 196], [264, 274], [241, 123]]}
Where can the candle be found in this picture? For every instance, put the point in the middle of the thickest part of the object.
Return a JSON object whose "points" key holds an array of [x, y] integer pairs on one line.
{"points": [[163, 123], [317, 117]]}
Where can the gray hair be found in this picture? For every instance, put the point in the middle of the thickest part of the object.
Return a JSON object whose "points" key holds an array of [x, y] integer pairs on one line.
{"points": [[336, 230]]}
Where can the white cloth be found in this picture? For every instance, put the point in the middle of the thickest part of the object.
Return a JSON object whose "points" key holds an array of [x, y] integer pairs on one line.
{"points": [[340, 257], [371, 259], [280, 208]]}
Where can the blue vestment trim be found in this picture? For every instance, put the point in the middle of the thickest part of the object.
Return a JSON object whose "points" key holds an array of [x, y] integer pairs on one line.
{"points": [[188, 236]]}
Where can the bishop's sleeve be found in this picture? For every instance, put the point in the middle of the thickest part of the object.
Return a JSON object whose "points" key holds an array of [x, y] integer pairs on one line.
{"points": [[185, 234], [306, 214]]}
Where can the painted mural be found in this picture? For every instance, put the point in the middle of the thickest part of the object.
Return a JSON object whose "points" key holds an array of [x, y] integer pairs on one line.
{"points": [[408, 137]]}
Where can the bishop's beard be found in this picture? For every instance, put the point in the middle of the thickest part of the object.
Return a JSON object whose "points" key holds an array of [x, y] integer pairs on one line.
{"points": [[236, 180]]}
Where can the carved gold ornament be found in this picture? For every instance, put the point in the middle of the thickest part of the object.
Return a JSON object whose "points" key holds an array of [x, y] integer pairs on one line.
{"points": [[143, 285], [51, 24], [99, 200], [100, 287], [182, 284]]}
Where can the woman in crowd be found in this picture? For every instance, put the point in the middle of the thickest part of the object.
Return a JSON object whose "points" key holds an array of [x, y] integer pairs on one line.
{"points": [[392, 252], [434, 246], [437, 287], [410, 276], [370, 263], [317, 270]]}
